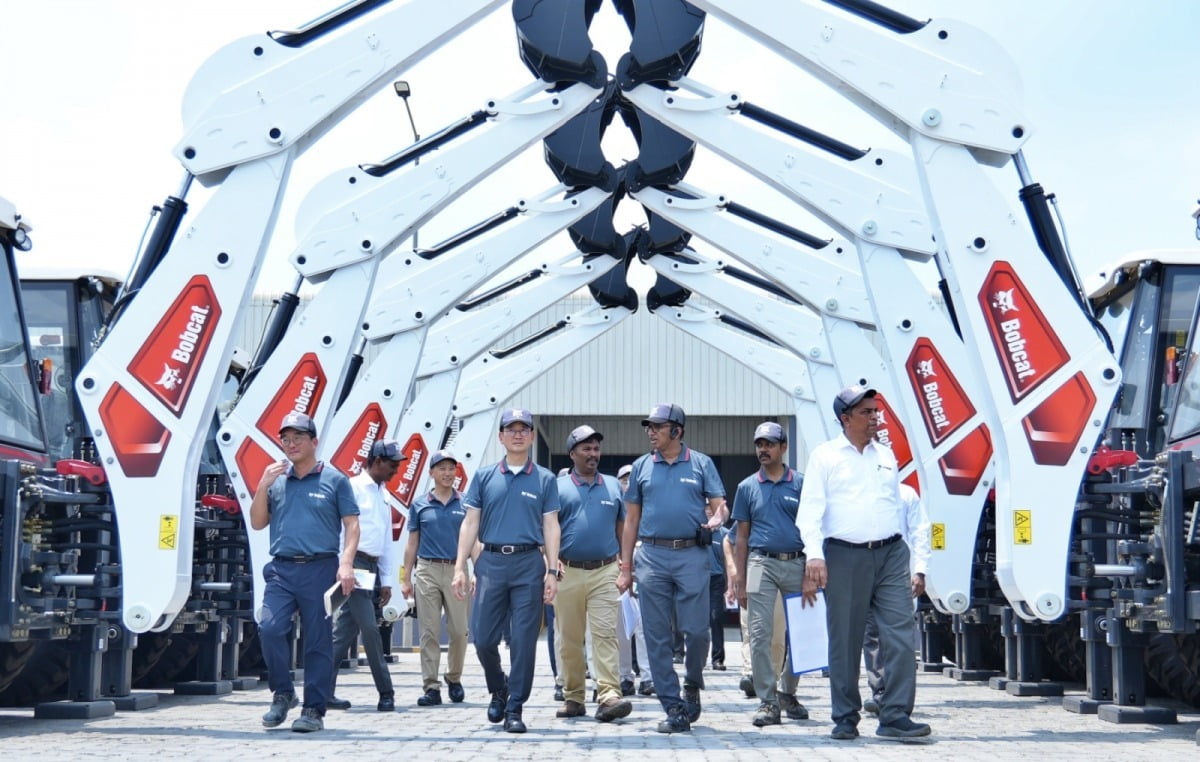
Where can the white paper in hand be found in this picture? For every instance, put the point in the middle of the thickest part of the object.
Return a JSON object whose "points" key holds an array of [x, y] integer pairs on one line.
{"points": [[334, 597], [631, 613], [808, 638]]}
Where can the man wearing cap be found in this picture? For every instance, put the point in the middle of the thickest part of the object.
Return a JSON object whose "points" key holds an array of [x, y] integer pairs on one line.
{"points": [[674, 502], [852, 520], [592, 517], [307, 507], [374, 555], [770, 561], [512, 508], [434, 520]]}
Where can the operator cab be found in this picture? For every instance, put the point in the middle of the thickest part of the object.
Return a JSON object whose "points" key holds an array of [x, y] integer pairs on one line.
{"points": [[1148, 304], [22, 433], [64, 309]]}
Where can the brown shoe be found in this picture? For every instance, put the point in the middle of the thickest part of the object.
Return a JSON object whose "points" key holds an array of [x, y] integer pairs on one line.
{"points": [[612, 709], [571, 709]]}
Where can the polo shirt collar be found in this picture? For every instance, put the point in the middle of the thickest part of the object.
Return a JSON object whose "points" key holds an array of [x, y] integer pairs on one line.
{"points": [[787, 475], [291, 471], [685, 454], [580, 482], [527, 469], [433, 498]]}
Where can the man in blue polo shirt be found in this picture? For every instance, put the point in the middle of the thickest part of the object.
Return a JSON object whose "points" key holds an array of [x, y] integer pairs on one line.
{"points": [[674, 503], [433, 523], [308, 507], [770, 560], [512, 508], [592, 517]]}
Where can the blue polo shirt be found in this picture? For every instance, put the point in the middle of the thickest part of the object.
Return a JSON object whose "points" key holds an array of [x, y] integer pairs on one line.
{"points": [[673, 495], [588, 517], [436, 524], [770, 507], [306, 514], [716, 567], [511, 504]]}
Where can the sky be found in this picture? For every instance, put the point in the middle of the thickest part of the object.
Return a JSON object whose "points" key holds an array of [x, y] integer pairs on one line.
{"points": [[93, 91]]}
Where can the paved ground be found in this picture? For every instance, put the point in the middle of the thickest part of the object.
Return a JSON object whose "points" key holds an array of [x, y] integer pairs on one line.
{"points": [[970, 722]]}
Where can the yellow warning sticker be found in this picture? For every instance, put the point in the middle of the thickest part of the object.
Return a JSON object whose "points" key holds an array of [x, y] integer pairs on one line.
{"points": [[168, 531], [937, 539], [1023, 527]]}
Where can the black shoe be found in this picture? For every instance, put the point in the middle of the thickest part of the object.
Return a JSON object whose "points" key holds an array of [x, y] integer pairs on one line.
{"points": [[719, 665], [495, 711], [676, 722], [513, 723], [432, 697], [278, 712], [336, 703], [457, 694], [646, 688], [691, 700], [309, 721], [677, 659], [871, 706], [902, 728], [613, 709], [558, 693], [627, 688], [387, 702], [844, 731], [746, 685], [791, 707]]}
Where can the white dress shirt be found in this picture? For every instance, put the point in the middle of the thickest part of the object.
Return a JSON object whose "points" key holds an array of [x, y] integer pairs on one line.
{"points": [[850, 495], [374, 524], [916, 528]]}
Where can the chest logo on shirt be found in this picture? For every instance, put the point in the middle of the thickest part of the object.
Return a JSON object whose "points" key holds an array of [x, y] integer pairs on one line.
{"points": [[688, 480], [529, 495], [317, 495], [790, 499]]}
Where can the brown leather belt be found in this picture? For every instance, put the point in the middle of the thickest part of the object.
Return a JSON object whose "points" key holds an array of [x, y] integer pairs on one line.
{"points": [[588, 565]]}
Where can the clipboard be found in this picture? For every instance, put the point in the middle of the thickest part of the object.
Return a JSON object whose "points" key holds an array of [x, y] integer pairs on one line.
{"points": [[334, 597], [808, 635]]}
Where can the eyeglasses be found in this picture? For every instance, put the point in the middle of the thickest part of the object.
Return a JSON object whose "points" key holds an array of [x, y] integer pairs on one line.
{"points": [[514, 431], [656, 426], [288, 441]]}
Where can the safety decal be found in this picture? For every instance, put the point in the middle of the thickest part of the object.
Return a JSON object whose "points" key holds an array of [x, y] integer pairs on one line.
{"points": [[1023, 527], [937, 537], [168, 531]]}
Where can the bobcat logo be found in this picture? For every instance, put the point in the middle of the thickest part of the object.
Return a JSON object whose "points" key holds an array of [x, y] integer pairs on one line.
{"points": [[925, 368], [1003, 301], [170, 378]]}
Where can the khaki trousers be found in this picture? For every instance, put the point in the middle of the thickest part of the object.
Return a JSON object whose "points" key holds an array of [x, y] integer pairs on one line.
{"points": [[778, 640], [587, 598], [433, 596]]}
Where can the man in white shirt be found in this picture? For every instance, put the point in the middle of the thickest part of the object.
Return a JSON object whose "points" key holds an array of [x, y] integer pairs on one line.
{"points": [[375, 555], [851, 519]]}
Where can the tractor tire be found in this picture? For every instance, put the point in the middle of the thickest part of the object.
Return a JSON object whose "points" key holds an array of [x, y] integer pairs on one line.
{"points": [[1064, 659], [179, 654], [150, 648], [44, 676], [250, 657], [1173, 663], [13, 658]]}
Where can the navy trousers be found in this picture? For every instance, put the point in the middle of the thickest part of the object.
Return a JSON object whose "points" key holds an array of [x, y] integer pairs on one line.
{"points": [[292, 587], [508, 591]]}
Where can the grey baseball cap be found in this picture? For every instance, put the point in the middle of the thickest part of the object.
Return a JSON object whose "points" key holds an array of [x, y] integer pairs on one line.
{"points": [[388, 448], [770, 431], [516, 415], [582, 434], [298, 421], [441, 455], [849, 397], [665, 412]]}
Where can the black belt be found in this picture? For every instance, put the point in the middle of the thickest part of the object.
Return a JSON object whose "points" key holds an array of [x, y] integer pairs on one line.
{"points": [[588, 564], [306, 559], [436, 560], [780, 556], [872, 545], [360, 556], [687, 542], [508, 550]]}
